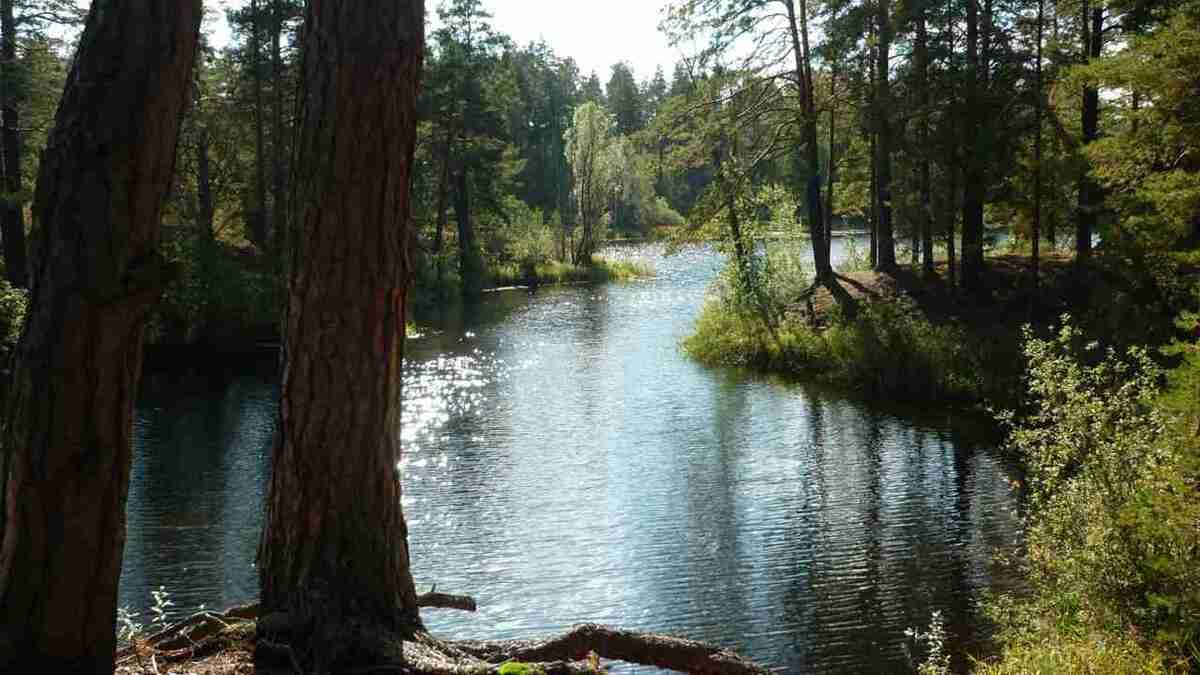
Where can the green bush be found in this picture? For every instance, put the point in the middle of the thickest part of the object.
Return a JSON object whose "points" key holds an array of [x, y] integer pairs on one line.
{"points": [[889, 348], [1112, 535], [13, 304]]}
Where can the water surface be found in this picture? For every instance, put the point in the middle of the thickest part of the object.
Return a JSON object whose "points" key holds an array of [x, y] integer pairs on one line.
{"points": [[566, 463]]}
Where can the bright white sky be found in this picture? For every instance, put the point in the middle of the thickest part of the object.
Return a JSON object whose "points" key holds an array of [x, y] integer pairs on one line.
{"points": [[595, 34]]}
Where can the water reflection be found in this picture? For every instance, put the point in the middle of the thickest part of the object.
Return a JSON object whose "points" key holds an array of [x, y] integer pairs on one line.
{"points": [[565, 463]]}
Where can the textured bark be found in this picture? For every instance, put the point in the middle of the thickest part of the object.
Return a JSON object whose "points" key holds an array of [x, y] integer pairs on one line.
{"points": [[662, 651], [334, 549], [12, 219], [883, 146], [66, 452], [807, 159]]}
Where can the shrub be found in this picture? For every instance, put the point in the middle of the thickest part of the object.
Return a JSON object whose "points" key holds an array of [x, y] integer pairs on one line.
{"points": [[1112, 530], [13, 304]]}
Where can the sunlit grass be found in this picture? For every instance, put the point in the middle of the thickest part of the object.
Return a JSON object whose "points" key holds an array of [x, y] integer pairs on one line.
{"points": [[554, 273]]}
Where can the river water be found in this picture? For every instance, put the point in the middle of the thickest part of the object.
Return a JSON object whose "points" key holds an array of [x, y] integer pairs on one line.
{"points": [[565, 462]]}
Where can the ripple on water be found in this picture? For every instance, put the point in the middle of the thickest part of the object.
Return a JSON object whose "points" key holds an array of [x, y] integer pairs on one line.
{"points": [[564, 462]]}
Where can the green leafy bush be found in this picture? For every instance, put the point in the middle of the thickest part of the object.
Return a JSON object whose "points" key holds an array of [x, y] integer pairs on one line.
{"points": [[1112, 530], [13, 304]]}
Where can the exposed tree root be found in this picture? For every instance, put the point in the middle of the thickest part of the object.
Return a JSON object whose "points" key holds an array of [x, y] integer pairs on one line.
{"points": [[369, 650], [647, 649]]}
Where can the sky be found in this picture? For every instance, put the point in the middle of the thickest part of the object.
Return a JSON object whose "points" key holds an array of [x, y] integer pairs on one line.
{"points": [[595, 34]]}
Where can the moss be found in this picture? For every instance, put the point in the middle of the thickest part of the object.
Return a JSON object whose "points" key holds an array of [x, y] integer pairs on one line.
{"points": [[517, 668]]}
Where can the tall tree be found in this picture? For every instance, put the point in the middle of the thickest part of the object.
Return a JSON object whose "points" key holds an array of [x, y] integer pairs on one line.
{"points": [[624, 100], [883, 137], [12, 220], [587, 147], [974, 153], [64, 472], [1091, 21], [334, 545]]}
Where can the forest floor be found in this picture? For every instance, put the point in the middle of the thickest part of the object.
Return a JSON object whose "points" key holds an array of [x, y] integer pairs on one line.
{"points": [[1011, 297]]}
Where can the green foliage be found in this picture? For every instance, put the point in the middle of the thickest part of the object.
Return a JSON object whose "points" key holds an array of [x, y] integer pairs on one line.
{"points": [[222, 295], [890, 349], [1111, 531], [518, 668], [13, 304], [1148, 161]]}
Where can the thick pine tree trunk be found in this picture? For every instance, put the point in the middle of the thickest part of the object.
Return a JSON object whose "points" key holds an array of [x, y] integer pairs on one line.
{"points": [[12, 220], [334, 549], [66, 445]]}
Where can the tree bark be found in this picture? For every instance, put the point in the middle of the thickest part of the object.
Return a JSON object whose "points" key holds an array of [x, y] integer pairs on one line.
{"points": [[806, 158], [921, 54], [334, 548], [973, 145], [469, 264], [883, 147], [12, 218], [66, 445]]}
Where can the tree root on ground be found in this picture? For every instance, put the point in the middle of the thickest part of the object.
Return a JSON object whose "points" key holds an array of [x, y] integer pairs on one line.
{"points": [[572, 653]]}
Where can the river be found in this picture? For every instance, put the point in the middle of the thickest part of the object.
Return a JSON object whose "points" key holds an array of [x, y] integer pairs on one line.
{"points": [[566, 463]]}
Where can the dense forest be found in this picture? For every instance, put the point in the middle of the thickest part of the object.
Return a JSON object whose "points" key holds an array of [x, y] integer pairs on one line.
{"points": [[1013, 189]]}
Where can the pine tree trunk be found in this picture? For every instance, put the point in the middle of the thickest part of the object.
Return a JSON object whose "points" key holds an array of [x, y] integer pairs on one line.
{"points": [[807, 159], [883, 146], [469, 265], [12, 219], [973, 187], [66, 459], [922, 66], [204, 197], [279, 225], [1036, 235], [1089, 200], [335, 544]]}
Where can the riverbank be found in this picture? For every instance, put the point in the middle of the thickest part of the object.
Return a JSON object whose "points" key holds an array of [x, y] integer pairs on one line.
{"points": [[1101, 365], [921, 338], [553, 273]]}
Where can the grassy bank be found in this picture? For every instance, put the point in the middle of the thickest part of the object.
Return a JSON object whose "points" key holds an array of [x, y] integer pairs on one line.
{"points": [[1111, 446], [1101, 368], [552, 273], [918, 337]]}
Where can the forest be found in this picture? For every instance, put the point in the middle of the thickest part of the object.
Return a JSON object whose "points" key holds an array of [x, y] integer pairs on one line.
{"points": [[864, 337]]}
